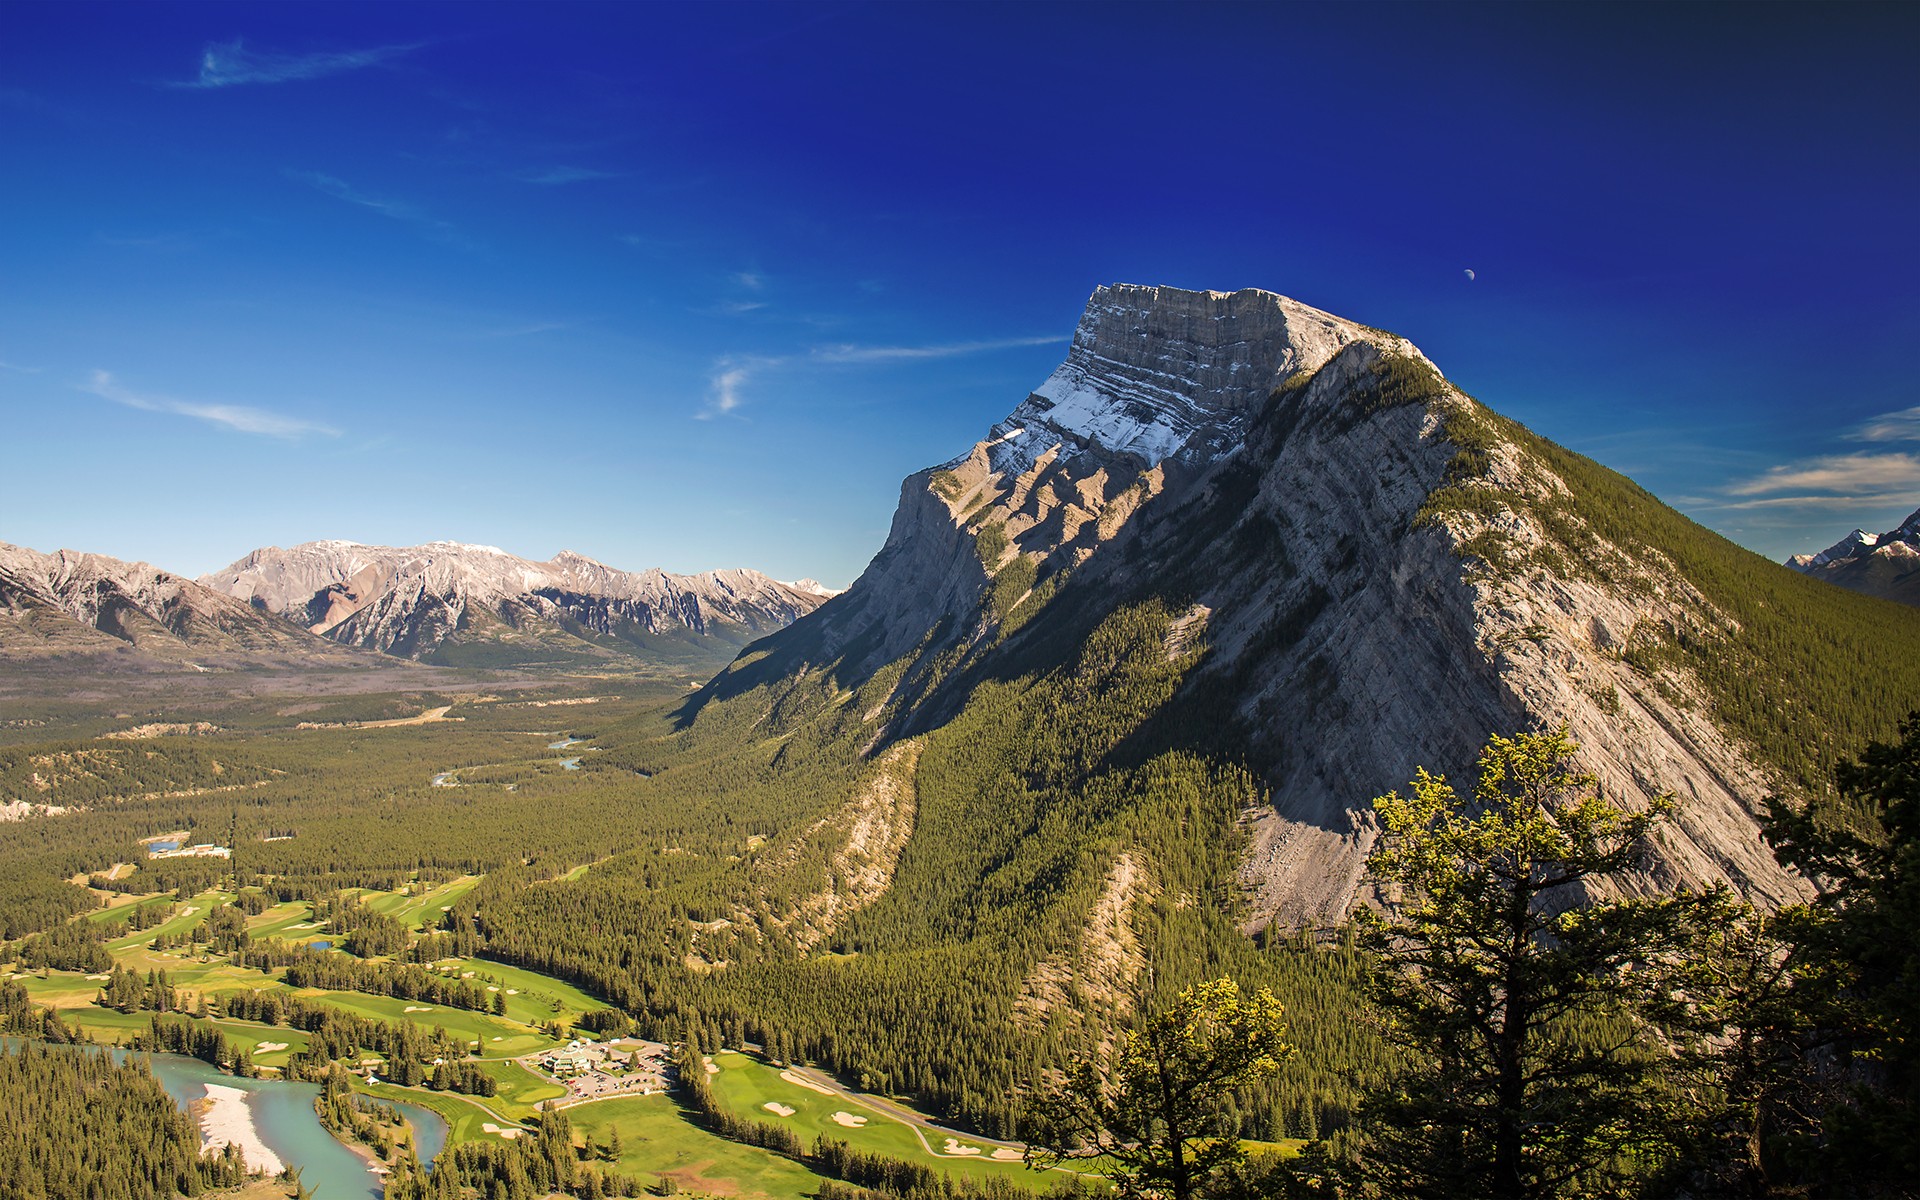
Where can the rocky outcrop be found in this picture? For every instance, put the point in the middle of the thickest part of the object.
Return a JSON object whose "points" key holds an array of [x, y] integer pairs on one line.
{"points": [[444, 600], [1885, 565]]}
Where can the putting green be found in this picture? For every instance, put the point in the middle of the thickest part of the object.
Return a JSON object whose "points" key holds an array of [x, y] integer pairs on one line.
{"points": [[521, 1091], [745, 1086], [658, 1140]]}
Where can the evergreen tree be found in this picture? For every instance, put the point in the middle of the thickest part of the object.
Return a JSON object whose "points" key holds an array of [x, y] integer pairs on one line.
{"points": [[1156, 1117], [1522, 999], [1864, 855]]}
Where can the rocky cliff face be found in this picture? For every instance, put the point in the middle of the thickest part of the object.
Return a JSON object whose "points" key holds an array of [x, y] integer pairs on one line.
{"points": [[1381, 572], [74, 603], [1885, 565], [451, 602]]}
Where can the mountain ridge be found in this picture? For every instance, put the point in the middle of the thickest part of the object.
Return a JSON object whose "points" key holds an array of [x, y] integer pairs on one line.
{"points": [[1885, 565], [450, 602], [74, 602]]}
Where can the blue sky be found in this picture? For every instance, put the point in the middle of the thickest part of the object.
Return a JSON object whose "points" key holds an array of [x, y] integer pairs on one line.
{"points": [[695, 286]]}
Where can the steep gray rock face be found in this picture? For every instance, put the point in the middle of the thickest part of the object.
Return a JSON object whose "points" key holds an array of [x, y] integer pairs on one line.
{"points": [[1153, 372], [1885, 565], [70, 602], [1152, 369], [428, 601], [1261, 467]]}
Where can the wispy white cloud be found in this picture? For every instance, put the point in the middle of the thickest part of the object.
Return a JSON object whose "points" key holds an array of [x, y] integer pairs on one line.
{"points": [[1901, 426], [882, 354], [528, 330], [7, 366], [231, 64], [237, 417], [398, 210], [723, 390], [1869, 500], [753, 281], [558, 176], [1836, 473], [727, 383]]}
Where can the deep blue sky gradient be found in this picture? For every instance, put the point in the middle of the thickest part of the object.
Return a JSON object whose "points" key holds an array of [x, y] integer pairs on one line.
{"points": [[695, 286]]}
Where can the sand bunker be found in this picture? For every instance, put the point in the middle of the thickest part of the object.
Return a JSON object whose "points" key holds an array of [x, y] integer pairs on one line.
{"points": [[777, 1109], [417, 1008], [490, 1127], [269, 1047], [513, 991], [849, 1120], [953, 1147], [1007, 1154], [228, 1119], [99, 977], [811, 1086]]}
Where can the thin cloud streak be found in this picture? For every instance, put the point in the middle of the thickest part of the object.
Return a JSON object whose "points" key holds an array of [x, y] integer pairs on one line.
{"points": [[730, 375], [878, 354], [558, 176], [1902, 426], [1851, 502], [1835, 473], [231, 64], [236, 417], [398, 210]]}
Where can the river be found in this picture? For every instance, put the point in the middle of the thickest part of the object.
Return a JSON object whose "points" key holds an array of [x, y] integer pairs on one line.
{"points": [[284, 1117], [283, 1114]]}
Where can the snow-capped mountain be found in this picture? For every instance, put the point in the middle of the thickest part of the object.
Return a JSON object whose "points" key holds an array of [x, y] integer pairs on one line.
{"points": [[1884, 564], [69, 602], [455, 603], [1153, 370]]}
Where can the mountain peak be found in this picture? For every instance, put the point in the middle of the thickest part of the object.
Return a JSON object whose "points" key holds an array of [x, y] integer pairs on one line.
{"points": [[1879, 564], [1151, 367]]}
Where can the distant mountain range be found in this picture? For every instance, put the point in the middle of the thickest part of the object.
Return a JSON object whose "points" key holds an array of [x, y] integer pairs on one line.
{"points": [[463, 605], [72, 603], [445, 603], [1885, 564]]}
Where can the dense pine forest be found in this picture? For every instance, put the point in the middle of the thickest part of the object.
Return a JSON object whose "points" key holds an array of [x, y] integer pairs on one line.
{"points": [[75, 1123]]}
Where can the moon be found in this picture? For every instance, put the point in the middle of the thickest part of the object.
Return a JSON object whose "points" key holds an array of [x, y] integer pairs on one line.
{"points": [[1469, 272]]}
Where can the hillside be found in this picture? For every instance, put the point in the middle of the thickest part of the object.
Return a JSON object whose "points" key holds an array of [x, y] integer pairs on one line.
{"points": [[461, 605]]}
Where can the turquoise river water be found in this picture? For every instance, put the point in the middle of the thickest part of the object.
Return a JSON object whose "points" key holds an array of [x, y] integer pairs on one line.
{"points": [[283, 1114]]}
